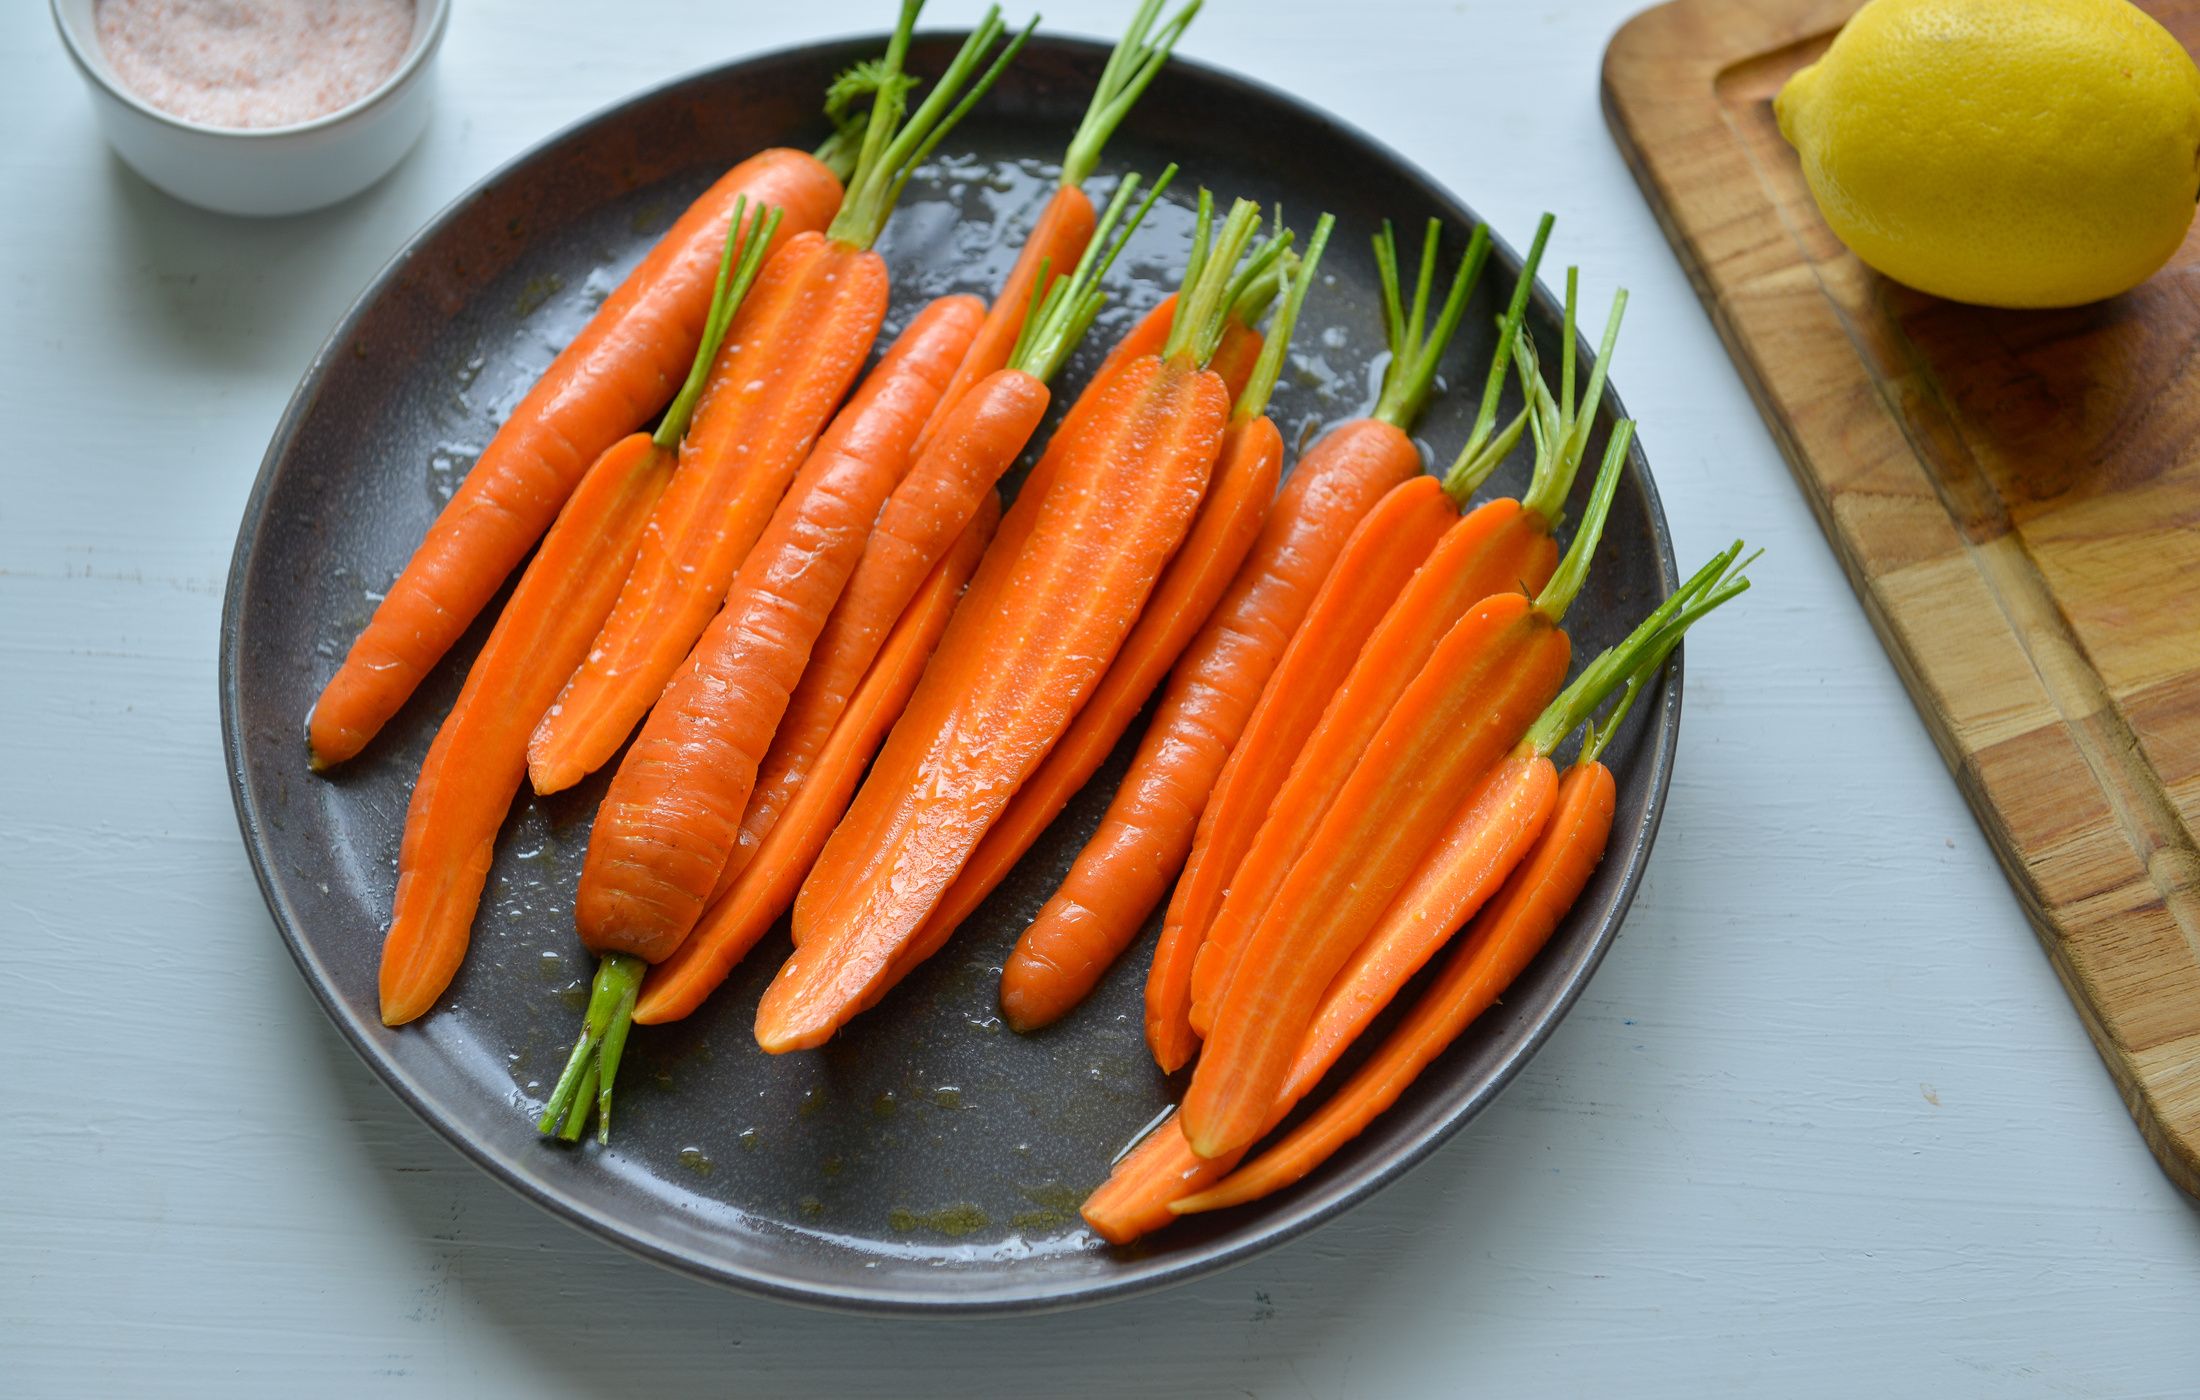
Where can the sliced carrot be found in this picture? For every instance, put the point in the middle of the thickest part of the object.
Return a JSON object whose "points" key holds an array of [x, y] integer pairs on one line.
{"points": [[611, 379]]}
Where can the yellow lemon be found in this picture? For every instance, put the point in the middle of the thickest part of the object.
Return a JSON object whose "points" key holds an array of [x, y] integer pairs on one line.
{"points": [[2004, 152]]}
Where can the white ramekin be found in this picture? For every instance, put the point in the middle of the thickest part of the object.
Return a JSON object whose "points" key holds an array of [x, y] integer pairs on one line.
{"points": [[262, 170]]}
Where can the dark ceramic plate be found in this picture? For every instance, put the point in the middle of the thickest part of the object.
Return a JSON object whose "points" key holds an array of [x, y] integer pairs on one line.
{"points": [[928, 1158]]}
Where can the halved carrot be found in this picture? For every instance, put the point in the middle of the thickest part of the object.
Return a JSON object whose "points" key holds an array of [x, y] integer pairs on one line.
{"points": [[1496, 668], [1238, 732], [479, 756], [608, 381], [789, 359], [662, 835], [734, 923], [1048, 972], [1016, 665], [1058, 240], [1147, 1183]]}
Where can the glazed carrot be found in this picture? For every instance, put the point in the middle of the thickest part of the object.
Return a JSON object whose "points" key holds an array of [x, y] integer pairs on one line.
{"points": [[1051, 968], [1017, 662], [1488, 551], [789, 358], [1247, 707], [479, 756], [733, 923], [623, 366], [667, 824], [1496, 668], [1066, 224], [968, 454]]}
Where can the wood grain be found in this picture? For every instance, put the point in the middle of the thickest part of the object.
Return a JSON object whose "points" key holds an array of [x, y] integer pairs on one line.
{"points": [[2015, 497]]}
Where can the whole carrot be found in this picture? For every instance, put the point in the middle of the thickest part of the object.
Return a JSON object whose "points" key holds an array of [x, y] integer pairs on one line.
{"points": [[479, 757], [624, 365], [789, 358], [781, 372], [1017, 663], [733, 923], [1496, 668], [1161, 1171], [1051, 967], [1246, 707], [1058, 240]]}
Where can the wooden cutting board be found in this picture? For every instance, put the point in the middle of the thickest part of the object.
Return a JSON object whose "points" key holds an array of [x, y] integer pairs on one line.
{"points": [[2016, 498]]}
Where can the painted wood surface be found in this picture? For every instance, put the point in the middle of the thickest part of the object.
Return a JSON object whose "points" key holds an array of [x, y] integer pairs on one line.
{"points": [[2016, 498], [1822, 1125]]}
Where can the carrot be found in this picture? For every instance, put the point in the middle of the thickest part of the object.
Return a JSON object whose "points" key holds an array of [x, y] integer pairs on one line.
{"points": [[479, 757], [1248, 700], [733, 924], [1507, 935], [977, 444], [1018, 661], [623, 366], [789, 358], [1050, 970], [1143, 1191], [667, 823], [1488, 551], [1066, 224], [1495, 669]]}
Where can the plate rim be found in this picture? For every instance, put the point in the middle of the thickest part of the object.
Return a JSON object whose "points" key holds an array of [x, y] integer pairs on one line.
{"points": [[1140, 1275]]}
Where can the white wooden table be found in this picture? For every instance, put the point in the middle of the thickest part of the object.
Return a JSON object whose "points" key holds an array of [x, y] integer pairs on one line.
{"points": [[1824, 1124]]}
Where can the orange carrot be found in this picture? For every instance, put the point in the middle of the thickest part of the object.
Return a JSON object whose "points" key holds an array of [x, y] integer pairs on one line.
{"points": [[733, 924], [668, 821], [1266, 711], [479, 756], [1066, 224], [1143, 1190], [1489, 551], [660, 835], [789, 358], [1496, 668], [1048, 973], [1017, 664], [623, 366]]}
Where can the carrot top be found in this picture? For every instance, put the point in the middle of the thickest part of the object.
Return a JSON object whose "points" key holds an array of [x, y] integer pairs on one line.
{"points": [[1635, 660], [732, 287], [1298, 274], [1560, 426], [1487, 447], [1573, 568], [1063, 310], [1136, 58], [1415, 344], [838, 152], [1210, 279], [892, 147]]}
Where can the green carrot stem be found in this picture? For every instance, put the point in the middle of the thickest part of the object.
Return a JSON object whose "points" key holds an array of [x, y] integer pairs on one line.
{"points": [[840, 150], [726, 298], [1132, 64], [1565, 437], [1638, 654], [1257, 288], [1415, 347], [1203, 307], [594, 1062], [1059, 318], [892, 148], [1473, 463], [1573, 569], [1253, 402]]}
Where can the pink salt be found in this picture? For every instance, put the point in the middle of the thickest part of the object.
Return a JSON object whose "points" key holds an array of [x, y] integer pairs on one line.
{"points": [[253, 63]]}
